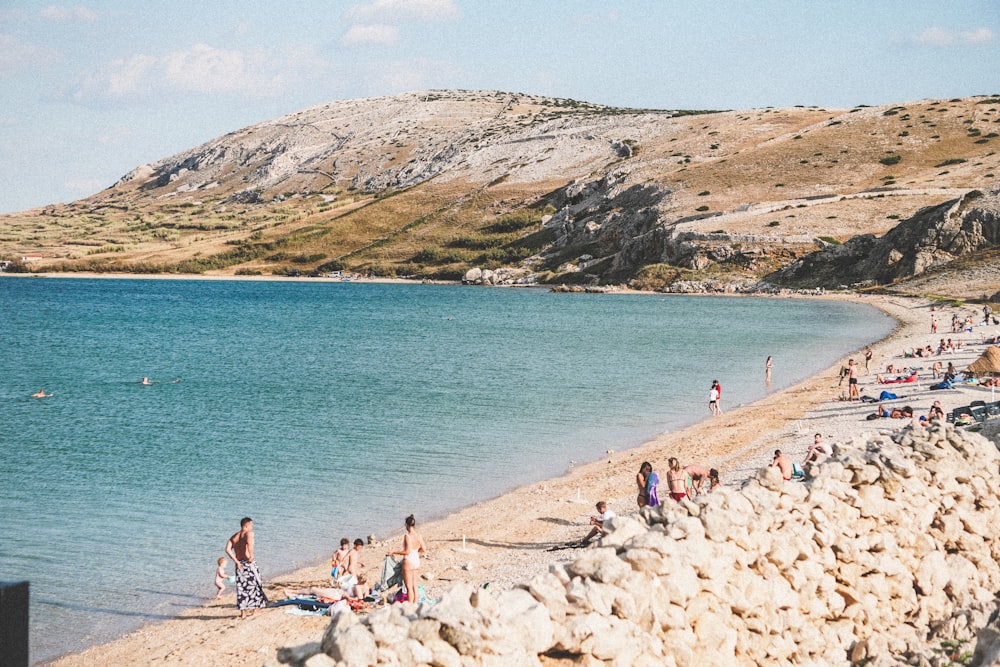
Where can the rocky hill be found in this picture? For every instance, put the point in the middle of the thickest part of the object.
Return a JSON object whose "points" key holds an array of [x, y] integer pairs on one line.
{"points": [[521, 188]]}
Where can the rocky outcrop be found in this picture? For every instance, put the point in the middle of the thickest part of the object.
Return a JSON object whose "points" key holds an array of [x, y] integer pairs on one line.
{"points": [[930, 239], [887, 549]]}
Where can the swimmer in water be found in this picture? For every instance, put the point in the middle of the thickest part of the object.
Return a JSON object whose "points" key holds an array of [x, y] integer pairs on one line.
{"points": [[40, 394]]}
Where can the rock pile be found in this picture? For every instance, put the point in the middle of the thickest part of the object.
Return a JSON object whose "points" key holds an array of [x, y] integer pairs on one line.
{"points": [[887, 548]]}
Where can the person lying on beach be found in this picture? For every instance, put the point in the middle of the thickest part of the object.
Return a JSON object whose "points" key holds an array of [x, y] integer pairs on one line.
{"points": [[603, 515], [321, 594], [782, 463], [697, 476]]}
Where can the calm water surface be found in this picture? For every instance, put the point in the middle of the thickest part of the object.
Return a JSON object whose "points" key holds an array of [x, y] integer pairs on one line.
{"points": [[325, 410]]}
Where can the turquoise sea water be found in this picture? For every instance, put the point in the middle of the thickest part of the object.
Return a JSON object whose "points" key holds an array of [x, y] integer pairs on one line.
{"points": [[325, 410]]}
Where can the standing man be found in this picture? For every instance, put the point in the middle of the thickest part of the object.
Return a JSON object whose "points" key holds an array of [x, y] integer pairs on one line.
{"points": [[852, 381], [249, 586], [354, 565]]}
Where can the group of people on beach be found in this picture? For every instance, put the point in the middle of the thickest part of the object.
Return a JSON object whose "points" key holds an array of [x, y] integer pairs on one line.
{"points": [[681, 482], [347, 569]]}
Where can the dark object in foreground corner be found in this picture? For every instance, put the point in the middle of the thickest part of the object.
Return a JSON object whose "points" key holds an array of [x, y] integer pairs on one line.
{"points": [[14, 624]]}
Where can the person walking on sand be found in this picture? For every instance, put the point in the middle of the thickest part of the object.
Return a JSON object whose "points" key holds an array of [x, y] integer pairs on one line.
{"points": [[249, 585], [221, 577], [640, 481], [768, 365], [713, 400], [868, 357], [413, 546]]}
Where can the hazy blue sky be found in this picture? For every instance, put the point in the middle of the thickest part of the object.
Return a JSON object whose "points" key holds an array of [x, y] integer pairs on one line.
{"points": [[89, 91]]}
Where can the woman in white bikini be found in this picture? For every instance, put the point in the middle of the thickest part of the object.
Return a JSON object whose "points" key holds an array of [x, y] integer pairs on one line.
{"points": [[413, 546]]}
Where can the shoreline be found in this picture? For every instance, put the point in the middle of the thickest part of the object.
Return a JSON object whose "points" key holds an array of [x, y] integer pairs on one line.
{"points": [[506, 540]]}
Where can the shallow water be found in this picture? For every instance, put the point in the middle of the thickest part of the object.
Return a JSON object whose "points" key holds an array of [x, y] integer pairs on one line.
{"points": [[325, 410]]}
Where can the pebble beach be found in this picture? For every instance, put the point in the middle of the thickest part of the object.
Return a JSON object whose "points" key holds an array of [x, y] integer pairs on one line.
{"points": [[509, 539]]}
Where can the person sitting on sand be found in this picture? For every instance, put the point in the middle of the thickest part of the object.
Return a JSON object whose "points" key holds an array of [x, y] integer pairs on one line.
{"points": [[936, 412], [676, 480], [599, 522], [697, 476], [816, 450], [782, 463]]}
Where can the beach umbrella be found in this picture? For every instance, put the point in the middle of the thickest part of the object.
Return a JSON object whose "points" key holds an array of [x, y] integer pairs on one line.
{"points": [[988, 363]]}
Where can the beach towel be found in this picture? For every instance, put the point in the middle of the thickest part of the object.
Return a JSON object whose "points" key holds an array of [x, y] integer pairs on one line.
{"points": [[249, 587], [392, 574], [651, 483]]}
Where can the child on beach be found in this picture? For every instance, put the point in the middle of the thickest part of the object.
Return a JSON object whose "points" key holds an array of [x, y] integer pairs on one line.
{"points": [[221, 578], [339, 559]]}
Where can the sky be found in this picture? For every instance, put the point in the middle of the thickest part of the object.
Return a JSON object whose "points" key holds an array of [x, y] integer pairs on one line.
{"points": [[91, 90]]}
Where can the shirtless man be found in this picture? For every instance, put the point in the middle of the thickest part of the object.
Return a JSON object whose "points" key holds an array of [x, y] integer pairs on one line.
{"points": [[816, 449], [698, 475], [852, 381], [249, 585], [354, 564], [782, 463]]}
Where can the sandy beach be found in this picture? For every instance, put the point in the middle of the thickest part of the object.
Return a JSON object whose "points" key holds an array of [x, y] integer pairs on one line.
{"points": [[506, 540]]}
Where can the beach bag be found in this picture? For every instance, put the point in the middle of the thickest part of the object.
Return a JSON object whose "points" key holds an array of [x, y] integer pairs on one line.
{"points": [[887, 395], [797, 471]]}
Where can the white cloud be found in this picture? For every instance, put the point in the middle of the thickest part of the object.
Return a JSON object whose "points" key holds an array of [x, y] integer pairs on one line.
{"points": [[427, 10], [206, 69], [943, 37], [371, 34], [17, 56], [67, 14], [201, 69]]}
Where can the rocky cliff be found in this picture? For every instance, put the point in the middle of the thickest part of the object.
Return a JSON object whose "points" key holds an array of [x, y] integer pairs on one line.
{"points": [[544, 190]]}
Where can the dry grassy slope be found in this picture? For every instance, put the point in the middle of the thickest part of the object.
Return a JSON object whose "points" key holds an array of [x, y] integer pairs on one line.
{"points": [[379, 182]]}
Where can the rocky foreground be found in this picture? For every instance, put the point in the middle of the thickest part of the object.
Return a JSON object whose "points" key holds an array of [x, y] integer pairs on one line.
{"points": [[887, 553]]}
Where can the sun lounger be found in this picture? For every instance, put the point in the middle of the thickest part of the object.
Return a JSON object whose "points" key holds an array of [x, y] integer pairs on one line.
{"points": [[978, 413], [993, 409]]}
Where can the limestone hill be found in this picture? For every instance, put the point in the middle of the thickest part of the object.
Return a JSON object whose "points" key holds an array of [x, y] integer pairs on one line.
{"points": [[434, 184]]}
